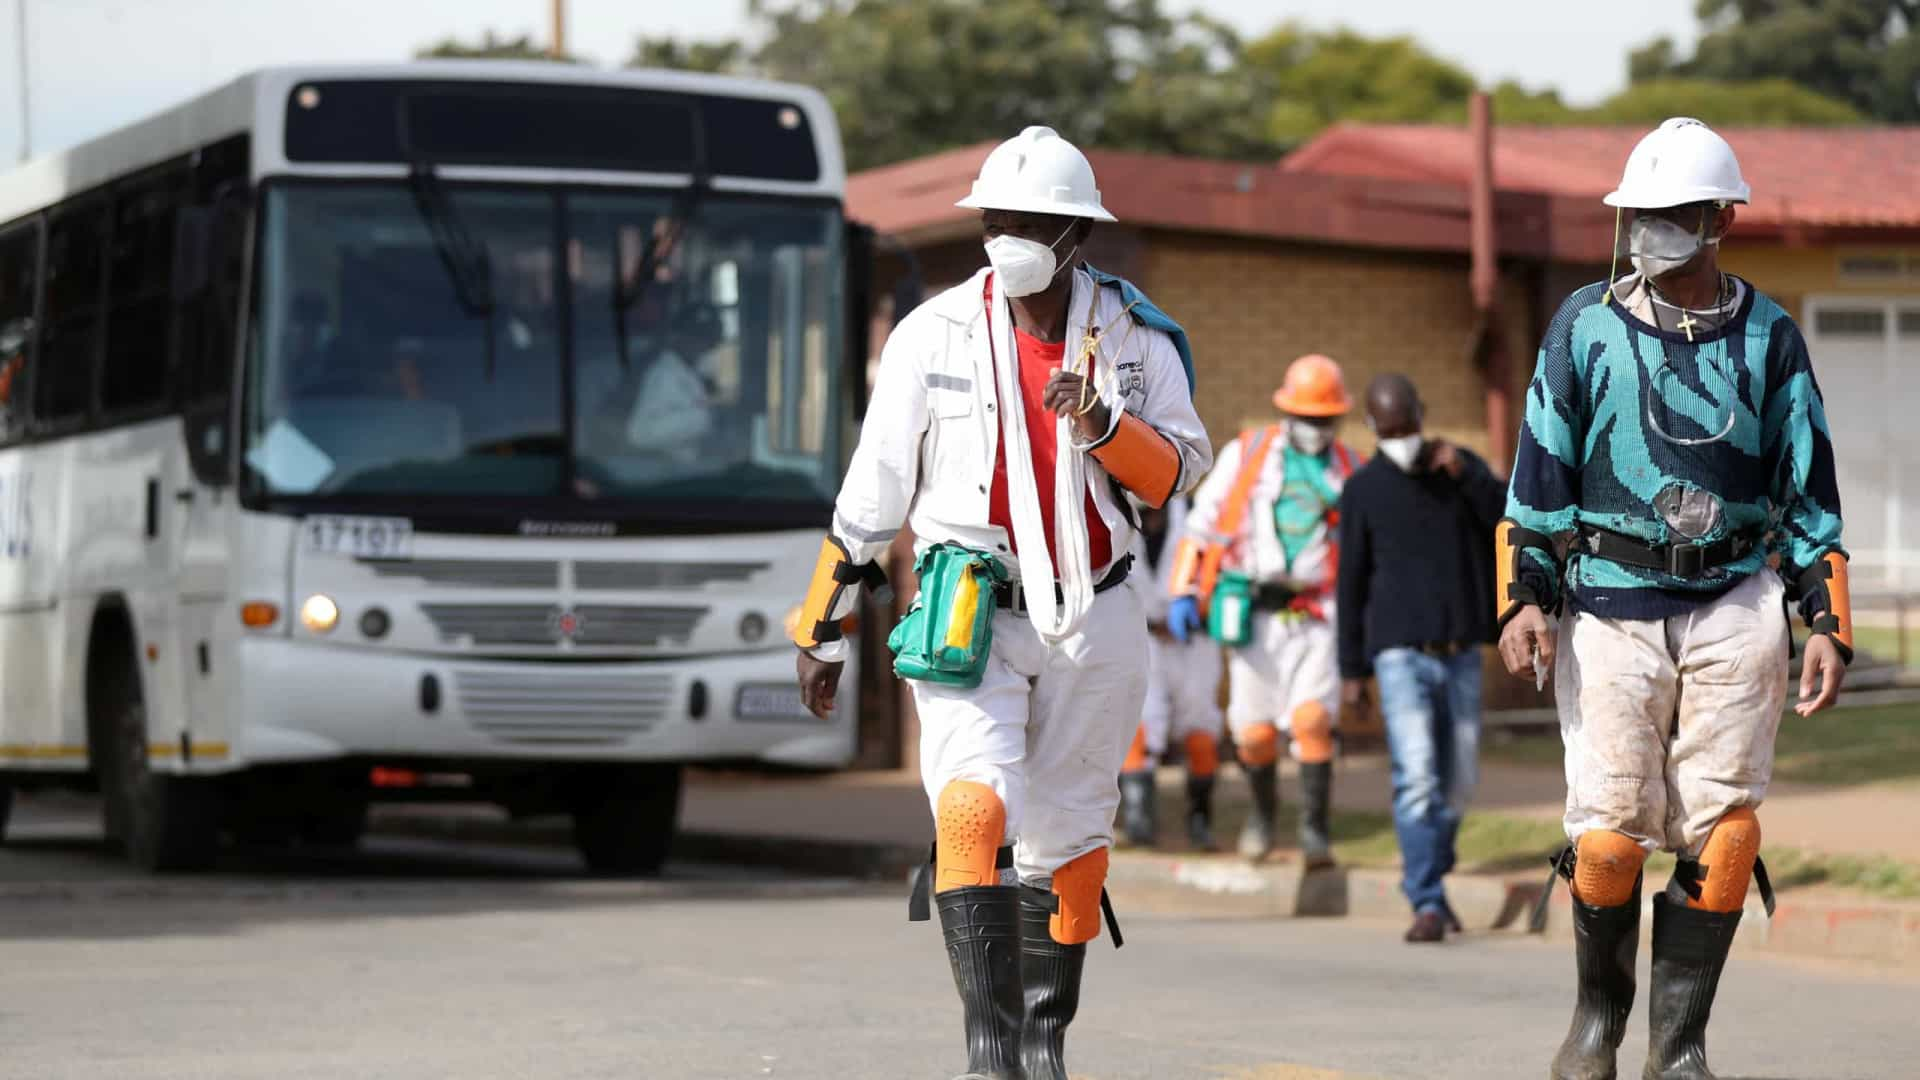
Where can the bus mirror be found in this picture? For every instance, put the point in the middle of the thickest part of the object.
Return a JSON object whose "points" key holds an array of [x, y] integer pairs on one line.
{"points": [[192, 252]]}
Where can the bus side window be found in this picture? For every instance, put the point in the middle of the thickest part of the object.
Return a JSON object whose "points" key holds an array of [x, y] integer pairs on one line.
{"points": [[207, 320], [70, 337], [19, 274], [139, 300]]}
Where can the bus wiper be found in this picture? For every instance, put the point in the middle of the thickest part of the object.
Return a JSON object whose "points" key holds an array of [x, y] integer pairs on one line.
{"points": [[685, 202], [466, 258]]}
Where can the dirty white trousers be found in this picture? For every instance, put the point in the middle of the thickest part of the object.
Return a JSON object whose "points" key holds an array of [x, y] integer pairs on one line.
{"points": [[1183, 691], [1669, 723], [1046, 729], [1292, 661]]}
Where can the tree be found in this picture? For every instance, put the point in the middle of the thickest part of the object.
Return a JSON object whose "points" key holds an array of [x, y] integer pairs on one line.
{"points": [[1319, 78], [491, 48], [1861, 52], [713, 56], [1766, 101]]}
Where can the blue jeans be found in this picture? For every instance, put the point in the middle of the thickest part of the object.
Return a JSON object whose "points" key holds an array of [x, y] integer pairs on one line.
{"points": [[1432, 710]]}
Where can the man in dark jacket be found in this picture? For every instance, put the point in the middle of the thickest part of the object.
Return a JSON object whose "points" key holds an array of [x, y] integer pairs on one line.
{"points": [[1414, 579]]}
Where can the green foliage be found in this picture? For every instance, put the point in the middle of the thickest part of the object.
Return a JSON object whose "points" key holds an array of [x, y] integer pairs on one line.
{"points": [[1862, 52], [709, 56], [1318, 78], [1764, 101], [490, 48]]}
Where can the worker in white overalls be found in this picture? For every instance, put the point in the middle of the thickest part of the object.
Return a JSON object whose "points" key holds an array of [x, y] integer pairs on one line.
{"points": [[1183, 694], [1010, 416], [1258, 562]]}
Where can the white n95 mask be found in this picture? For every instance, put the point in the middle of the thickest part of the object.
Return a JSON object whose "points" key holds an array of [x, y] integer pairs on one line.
{"points": [[1309, 439], [1660, 246], [1403, 451], [1024, 267]]}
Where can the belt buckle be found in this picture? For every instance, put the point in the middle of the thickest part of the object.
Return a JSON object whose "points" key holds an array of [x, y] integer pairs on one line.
{"points": [[1686, 560]]}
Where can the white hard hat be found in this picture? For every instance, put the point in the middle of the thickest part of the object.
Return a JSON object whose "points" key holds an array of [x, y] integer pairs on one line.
{"points": [[1682, 161], [1037, 172]]}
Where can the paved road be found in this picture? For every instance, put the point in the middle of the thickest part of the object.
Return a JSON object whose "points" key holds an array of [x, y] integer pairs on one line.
{"points": [[422, 960]]}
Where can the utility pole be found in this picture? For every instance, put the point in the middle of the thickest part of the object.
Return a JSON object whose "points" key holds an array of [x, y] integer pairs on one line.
{"points": [[26, 110], [558, 47]]}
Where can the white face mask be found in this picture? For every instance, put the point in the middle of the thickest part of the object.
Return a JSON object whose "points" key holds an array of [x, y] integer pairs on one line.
{"points": [[1660, 246], [1309, 438], [1024, 267], [1403, 451]]}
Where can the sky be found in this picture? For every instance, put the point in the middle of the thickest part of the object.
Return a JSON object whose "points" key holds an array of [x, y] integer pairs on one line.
{"points": [[97, 64]]}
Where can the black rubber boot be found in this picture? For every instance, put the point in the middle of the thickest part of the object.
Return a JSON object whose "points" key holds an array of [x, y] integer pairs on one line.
{"points": [[1606, 941], [1200, 813], [1689, 951], [1138, 818], [1256, 836], [981, 924], [1051, 972], [1316, 798]]}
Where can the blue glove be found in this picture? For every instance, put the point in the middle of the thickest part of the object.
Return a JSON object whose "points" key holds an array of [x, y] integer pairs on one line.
{"points": [[1183, 617]]}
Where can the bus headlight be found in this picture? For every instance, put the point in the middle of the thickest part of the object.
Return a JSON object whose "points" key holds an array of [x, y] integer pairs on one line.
{"points": [[319, 613]]}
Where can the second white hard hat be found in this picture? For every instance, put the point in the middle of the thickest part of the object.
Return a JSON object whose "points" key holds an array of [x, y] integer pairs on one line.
{"points": [[1037, 172], [1682, 161]]}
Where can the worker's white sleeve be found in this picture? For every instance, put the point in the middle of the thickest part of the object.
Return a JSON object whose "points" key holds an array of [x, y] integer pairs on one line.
{"points": [[885, 470], [1212, 493]]}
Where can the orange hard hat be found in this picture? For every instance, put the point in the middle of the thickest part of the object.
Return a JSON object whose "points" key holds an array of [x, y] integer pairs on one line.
{"points": [[1313, 387]]}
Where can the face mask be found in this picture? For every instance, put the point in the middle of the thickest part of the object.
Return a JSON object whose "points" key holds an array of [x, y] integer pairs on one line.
{"points": [[1660, 246], [1403, 451], [1309, 438], [1024, 267]]}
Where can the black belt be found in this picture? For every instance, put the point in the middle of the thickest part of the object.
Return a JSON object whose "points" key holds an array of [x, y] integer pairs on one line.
{"points": [[1272, 596], [1012, 598], [1679, 560]]}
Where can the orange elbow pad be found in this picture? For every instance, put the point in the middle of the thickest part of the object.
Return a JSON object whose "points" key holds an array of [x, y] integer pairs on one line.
{"points": [[1829, 575], [1142, 460], [1185, 579]]}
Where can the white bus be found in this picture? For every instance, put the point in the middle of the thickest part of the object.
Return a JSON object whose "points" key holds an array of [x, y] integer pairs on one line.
{"points": [[439, 430]]}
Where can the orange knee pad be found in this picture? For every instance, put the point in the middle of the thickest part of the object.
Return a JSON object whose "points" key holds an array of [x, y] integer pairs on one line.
{"points": [[1726, 862], [1606, 865], [1136, 760], [1078, 885], [1203, 753], [1312, 734], [970, 822], [1258, 745]]}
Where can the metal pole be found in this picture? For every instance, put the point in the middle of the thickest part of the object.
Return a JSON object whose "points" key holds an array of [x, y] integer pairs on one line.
{"points": [[26, 110], [558, 48]]}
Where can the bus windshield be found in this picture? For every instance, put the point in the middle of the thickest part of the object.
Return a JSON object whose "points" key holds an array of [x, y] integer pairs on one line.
{"points": [[566, 344]]}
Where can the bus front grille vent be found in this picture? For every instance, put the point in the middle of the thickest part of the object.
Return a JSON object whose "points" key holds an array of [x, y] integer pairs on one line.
{"points": [[570, 706]]}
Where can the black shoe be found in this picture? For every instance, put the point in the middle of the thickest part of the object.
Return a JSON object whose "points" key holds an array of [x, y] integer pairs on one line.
{"points": [[1138, 822], [1605, 942], [1200, 813], [1428, 926], [1051, 972], [1316, 797], [1256, 836], [981, 924], [1689, 951]]}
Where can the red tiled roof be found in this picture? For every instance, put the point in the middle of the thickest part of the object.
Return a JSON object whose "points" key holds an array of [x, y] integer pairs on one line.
{"points": [[1858, 177]]}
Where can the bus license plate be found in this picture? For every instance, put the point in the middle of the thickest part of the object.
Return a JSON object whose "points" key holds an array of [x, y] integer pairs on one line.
{"points": [[359, 537]]}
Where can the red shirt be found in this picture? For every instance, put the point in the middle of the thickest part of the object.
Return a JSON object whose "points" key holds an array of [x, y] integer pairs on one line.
{"points": [[1038, 360]]}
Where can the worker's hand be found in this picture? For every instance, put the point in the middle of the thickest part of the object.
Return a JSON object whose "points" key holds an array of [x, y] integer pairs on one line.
{"points": [[819, 682], [1820, 666], [1063, 396], [1442, 457], [1526, 632], [1158, 628], [1353, 693], [1183, 617]]}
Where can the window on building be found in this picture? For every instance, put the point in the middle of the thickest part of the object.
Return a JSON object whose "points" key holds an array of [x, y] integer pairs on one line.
{"points": [[139, 297], [73, 314], [19, 276]]}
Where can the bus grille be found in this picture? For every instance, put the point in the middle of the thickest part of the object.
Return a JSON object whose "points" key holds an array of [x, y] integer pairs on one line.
{"points": [[481, 573], [661, 575], [565, 706], [495, 624], [548, 624]]}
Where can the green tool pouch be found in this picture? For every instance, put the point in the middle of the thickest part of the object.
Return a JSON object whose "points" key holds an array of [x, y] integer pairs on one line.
{"points": [[1230, 613], [948, 631]]}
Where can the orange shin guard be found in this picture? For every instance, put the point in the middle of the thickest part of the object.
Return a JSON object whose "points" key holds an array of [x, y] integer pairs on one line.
{"points": [[1726, 862], [1605, 867], [1258, 745], [1078, 886], [1203, 754], [969, 824], [1136, 759], [1312, 734]]}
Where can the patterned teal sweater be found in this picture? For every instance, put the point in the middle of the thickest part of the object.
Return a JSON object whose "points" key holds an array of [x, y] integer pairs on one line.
{"points": [[1589, 452]]}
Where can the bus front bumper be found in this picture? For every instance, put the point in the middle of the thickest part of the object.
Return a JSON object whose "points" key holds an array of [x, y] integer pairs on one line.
{"points": [[306, 701]]}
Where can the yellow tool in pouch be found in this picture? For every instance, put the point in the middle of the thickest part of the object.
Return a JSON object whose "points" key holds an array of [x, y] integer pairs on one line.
{"points": [[1230, 612], [947, 633]]}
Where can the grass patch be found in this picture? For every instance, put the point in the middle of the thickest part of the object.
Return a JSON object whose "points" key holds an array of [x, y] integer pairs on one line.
{"points": [[1841, 747]]}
